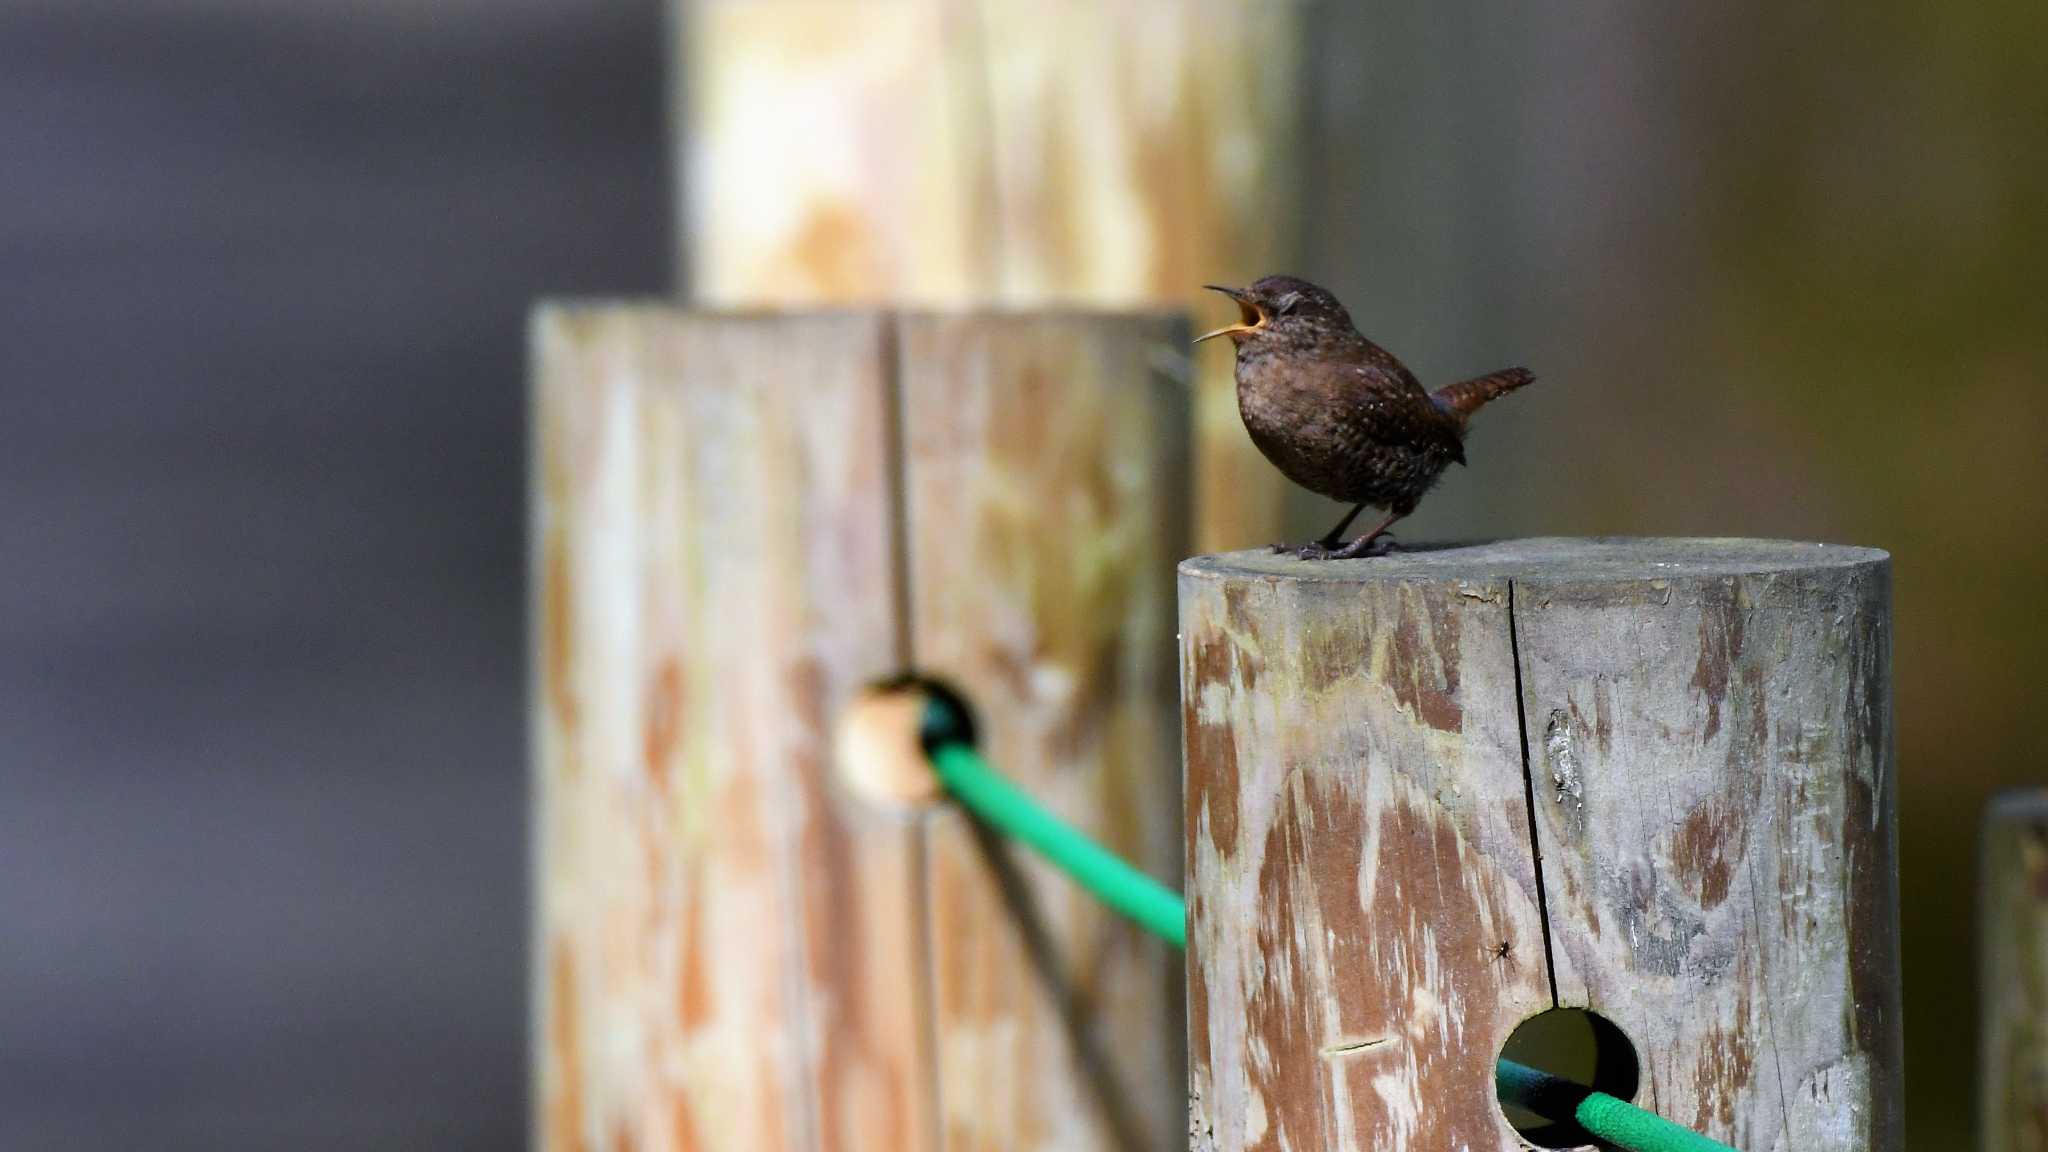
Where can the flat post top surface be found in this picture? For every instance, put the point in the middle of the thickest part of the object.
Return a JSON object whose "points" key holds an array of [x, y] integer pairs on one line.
{"points": [[1563, 558]]}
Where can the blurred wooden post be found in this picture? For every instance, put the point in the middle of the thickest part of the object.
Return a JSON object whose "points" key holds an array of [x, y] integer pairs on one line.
{"points": [[731, 953], [1046, 477], [715, 574], [2013, 1110], [1023, 152], [1701, 731]]}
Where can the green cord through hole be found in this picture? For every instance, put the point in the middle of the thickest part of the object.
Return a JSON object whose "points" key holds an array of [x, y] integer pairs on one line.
{"points": [[1609, 1118], [1003, 806], [1006, 808]]}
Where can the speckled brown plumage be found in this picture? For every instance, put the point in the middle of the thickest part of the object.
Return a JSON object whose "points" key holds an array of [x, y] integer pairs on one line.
{"points": [[1338, 414]]}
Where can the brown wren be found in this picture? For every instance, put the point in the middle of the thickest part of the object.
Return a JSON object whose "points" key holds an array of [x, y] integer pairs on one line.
{"points": [[1338, 414]]}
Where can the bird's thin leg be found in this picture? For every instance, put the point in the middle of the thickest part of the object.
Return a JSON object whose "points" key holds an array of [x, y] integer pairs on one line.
{"points": [[1327, 543], [1335, 535], [1359, 546]]}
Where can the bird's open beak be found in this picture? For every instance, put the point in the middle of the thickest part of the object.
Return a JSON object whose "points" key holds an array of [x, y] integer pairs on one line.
{"points": [[1251, 317]]}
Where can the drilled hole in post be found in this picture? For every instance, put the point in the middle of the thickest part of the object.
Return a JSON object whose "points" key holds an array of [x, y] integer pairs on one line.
{"points": [[880, 740], [1576, 1045]]}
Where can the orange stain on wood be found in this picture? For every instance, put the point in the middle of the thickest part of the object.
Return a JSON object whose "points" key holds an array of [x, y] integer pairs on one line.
{"points": [[1727, 1065], [1318, 940], [1701, 854], [1423, 665], [835, 253], [742, 824], [1300, 845], [1720, 633], [1445, 1068], [558, 633], [664, 719], [1214, 662], [693, 982], [565, 1051], [683, 1124]]}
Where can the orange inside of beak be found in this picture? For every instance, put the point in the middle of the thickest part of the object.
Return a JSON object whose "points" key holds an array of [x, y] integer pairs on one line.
{"points": [[1250, 319]]}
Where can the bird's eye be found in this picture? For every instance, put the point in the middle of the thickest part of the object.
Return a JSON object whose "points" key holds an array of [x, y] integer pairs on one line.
{"points": [[1287, 303]]}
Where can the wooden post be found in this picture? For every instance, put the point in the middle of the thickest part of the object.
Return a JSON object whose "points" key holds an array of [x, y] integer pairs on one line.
{"points": [[1024, 152], [1699, 731], [1047, 484], [738, 522], [2013, 1110]]}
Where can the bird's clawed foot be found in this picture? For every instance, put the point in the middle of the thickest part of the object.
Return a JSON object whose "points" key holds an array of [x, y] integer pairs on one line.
{"points": [[1379, 545], [1313, 550]]}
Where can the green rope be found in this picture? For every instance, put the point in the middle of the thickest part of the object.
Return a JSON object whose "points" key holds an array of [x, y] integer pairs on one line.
{"points": [[1152, 904], [1159, 909], [1608, 1118]]}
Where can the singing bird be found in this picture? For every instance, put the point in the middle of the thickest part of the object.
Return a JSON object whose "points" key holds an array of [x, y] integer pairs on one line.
{"points": [[1338, 414]]}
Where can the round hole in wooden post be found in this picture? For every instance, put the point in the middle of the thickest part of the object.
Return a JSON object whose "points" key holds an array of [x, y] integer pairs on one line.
{"points": [[1659, 771], [880, 739], [1576, 1045]]}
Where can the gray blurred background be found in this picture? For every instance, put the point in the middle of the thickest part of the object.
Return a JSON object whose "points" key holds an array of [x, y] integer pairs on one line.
{"points": [[265, 269]]}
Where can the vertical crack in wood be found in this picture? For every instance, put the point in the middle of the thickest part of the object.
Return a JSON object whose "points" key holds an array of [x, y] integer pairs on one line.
{"points": [[1529, 795], [1770, 1022], [896, 452]]}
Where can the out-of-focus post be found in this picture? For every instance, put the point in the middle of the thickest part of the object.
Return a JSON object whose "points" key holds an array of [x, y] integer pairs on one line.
{"points": [[739, 522], [1017, 152], [2013, 1108]]}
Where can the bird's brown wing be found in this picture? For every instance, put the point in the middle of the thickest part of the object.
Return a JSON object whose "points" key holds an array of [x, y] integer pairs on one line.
{"points": [[1380, 394], [1385, 369], [1390, 407], [1355, 427]]}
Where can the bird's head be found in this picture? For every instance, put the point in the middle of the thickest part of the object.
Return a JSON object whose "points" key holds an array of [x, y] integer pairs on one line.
{"points": [[1283, 312]]}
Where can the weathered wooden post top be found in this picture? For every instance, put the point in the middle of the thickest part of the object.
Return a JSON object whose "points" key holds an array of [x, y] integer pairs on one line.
{"points": [[1435, 794]]}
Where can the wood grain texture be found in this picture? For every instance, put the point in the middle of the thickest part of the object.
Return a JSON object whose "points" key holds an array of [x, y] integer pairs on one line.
{"points": [[1708, 728], [1045, 480], [733, 954], [995, 151], [726, 954], [2013, 1107], [1357, 847]]}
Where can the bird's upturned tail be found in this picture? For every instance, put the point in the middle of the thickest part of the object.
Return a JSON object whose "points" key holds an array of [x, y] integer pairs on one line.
{"points": [[1468, 396]]}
